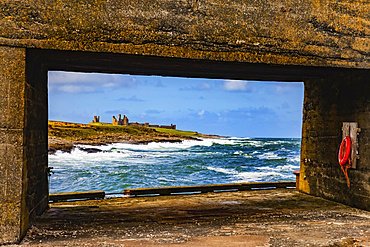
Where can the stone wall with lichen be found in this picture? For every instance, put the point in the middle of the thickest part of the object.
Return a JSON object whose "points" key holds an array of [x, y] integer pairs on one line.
{"points": [[328, 103], [326, 44], [23, 143], [294, 32], [12, 144]]}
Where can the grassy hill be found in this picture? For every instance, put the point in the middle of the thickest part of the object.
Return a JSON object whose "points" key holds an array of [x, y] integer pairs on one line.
{"points": [[64, 135]]}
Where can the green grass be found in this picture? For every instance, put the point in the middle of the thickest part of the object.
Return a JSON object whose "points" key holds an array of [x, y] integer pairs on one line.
{"points": [[177, 132], [73, 131], [161, 130]]}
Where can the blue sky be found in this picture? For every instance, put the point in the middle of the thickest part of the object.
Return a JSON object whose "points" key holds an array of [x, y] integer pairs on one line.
{"points": [[224, 107]]}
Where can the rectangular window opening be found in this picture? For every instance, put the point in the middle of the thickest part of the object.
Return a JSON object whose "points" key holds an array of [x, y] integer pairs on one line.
{"points": [[232, 131]]}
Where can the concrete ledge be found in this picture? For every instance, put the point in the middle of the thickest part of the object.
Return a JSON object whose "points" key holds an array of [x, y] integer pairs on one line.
{"points": [[279, 217], [76, 196], [208, 188]]}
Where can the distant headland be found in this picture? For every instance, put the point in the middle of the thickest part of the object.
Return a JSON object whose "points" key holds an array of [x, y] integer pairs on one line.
{"points": [[65, 136]]}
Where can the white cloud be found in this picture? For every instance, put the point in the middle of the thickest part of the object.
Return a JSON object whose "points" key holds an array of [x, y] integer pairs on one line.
{"points": [[235, 85], [205, 86], [201, 113], [199, 87], [75, 89], [109, 84], [74, 82], [284, 87]]}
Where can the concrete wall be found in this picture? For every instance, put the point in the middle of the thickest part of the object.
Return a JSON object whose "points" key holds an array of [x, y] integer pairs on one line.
{"points": [[13, 213], [328, 103], [309, 32], [36, 136], [326, 44], [23, 141]]}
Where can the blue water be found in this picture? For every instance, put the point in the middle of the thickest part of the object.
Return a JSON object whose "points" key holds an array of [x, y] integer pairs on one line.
{"points": [[210, 161]]}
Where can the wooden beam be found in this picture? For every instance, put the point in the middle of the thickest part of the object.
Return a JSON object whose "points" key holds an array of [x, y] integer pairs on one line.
{"points": [[208, 188], [76, 196]]}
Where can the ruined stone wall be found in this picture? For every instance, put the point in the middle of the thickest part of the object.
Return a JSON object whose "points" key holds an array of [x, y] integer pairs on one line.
{"points": [[328, 103], [114, 121], [138, 124], [290, 32], [172, 126], [125, 120]]}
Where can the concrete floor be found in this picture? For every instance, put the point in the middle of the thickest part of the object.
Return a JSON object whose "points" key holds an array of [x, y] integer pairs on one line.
{"points": [[280, 217]]}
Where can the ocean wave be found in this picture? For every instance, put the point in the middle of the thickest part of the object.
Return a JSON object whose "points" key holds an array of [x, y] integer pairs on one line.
{"points": [[295, 159], [241, 153], [261, 176], [270, 156], [284, 168], [122, 165], [186, 144], [78, 155], [222, 170]]}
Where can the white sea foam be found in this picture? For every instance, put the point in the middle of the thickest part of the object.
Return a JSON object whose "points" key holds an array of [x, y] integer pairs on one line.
{"points": [[241, 153], [222, 170], [269, 156], [260, 176], [117, 151], [78, 155], [254, 143], [295, 159], [280, 169], [170, 146]]}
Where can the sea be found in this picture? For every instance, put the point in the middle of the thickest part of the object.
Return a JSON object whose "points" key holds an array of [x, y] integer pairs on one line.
{"points": [[207, 161]]}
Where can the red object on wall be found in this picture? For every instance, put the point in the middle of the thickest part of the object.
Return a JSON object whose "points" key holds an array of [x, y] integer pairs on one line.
{"points": [[343, 158]]}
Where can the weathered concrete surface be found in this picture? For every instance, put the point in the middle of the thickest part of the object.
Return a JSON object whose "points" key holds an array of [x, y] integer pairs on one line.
{"points": [[328, 103], [294, 32], [36, 137], [13, 213], [23, 141], [255, 218]]}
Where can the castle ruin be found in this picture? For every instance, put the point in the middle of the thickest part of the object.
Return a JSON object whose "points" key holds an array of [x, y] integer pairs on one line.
{"points": [[125, 122], [121, 121]]}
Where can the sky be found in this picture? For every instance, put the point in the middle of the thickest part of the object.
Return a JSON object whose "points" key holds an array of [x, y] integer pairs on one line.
{"points": [[224, 107]]}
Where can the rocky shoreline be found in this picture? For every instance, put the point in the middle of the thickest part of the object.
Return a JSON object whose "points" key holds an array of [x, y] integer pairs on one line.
{"points": [[55, 143]]}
